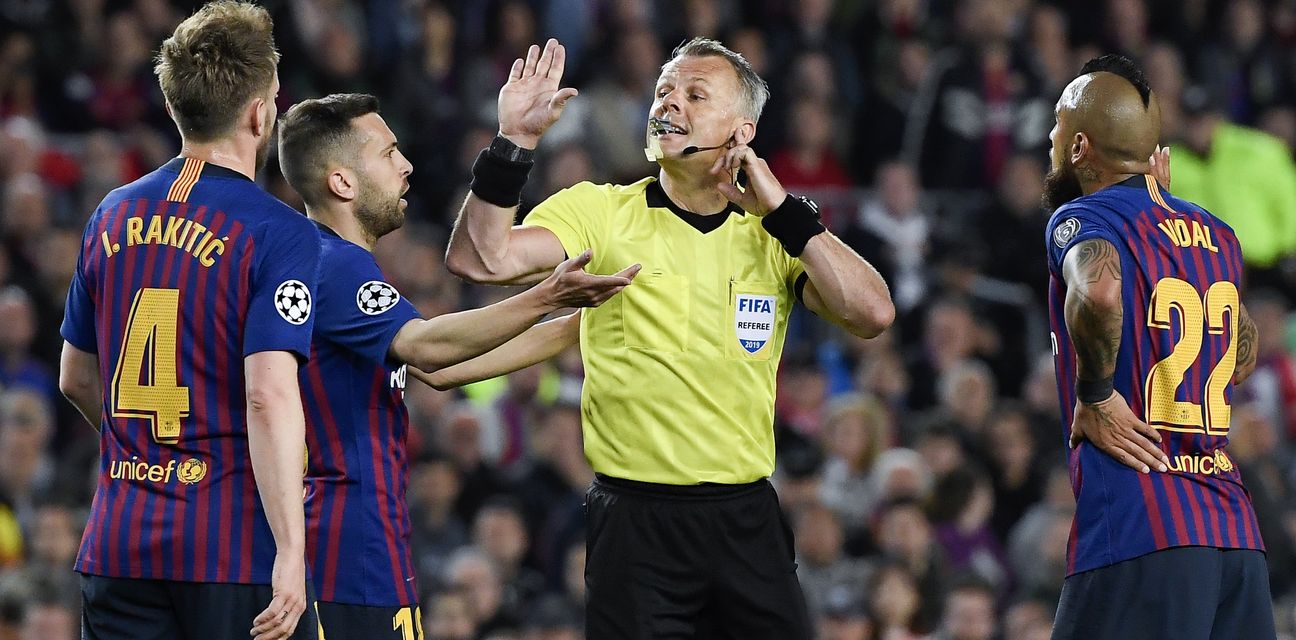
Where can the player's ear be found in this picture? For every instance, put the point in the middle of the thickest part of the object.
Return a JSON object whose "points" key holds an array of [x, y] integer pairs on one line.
{"points": [[259, 117], [1080, 147], [342, 184]]}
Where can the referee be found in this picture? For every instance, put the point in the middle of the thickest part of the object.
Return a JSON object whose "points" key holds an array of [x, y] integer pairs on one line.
{"points": [[685, 535]]}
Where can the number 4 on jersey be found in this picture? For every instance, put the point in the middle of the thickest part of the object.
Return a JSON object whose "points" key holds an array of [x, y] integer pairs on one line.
{"points": [[144, 384]]}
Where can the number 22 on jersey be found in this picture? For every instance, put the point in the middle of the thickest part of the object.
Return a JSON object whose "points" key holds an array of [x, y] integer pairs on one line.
{"points": [[144, 384], [1198, 316]]}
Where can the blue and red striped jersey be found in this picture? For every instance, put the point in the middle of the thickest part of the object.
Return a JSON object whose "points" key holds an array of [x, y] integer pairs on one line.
{"points": [[182, 274], [1181, 269], [357, 520]]}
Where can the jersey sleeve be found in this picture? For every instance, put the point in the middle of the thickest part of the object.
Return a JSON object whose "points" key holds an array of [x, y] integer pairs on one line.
{"points": [[577, 215], [78, 327], [1071, 225], [359, 310], [281, 314]]}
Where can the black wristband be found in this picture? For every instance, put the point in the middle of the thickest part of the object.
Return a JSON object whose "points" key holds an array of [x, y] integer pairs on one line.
{"points": [[793, 223], [1094, 391], [497, 179]]}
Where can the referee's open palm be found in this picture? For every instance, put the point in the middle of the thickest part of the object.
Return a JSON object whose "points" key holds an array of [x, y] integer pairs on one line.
{"points": [[531, 101]]}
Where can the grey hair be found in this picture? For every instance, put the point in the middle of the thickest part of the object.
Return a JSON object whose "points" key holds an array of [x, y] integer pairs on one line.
{"points": [[755, 91]]}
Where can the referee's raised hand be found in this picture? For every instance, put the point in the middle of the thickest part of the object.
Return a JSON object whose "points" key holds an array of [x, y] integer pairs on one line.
{"points": [[531, 101], [571, 286]]}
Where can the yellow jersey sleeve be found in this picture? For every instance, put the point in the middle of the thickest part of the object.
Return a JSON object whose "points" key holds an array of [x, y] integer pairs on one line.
{"points": [[578, 215]]}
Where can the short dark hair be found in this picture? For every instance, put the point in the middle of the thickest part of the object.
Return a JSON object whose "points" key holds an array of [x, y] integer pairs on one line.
{"points": [[313, 133], [216, 61], [1123, 67]]}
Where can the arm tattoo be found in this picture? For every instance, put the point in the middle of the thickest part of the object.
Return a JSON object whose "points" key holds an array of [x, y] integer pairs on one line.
{"points": [[1092, 319], [1247, 337]]}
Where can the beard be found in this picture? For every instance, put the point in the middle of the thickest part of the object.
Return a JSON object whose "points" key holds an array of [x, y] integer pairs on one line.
{"points": [[378, 213], [262, 155], [1061, 185]]}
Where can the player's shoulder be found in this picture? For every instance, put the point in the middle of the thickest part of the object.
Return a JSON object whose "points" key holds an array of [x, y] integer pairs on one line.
{"points": [[1081, 209]]}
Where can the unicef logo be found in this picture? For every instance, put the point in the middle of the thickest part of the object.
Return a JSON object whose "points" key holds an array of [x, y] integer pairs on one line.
{"points": [[293, 301], [191, 471], [375, 297]]}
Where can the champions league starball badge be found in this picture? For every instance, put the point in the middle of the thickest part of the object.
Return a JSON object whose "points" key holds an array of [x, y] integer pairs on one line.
{"points": [[1063, 233]]}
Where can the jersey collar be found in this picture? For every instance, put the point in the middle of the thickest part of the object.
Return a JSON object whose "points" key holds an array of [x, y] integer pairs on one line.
{"points": [[655, 197], [209, 170]]}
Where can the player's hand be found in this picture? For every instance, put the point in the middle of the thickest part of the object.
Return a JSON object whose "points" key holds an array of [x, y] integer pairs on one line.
{"points": [[288, 584], [1119, 433], [763, 193], [1160, 163], [571, 286], [530, 102]]}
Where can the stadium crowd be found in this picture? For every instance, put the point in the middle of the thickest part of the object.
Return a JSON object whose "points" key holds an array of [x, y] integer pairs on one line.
{"points": [[924, 471]]}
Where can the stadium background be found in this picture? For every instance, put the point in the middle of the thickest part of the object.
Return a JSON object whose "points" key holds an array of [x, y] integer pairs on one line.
{"points": [[920, 469]]}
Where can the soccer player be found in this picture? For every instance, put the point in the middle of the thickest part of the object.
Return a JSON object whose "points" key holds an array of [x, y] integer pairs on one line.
{"points": [[685, 534], [344, 161], [1149, 337], [186, 318]]}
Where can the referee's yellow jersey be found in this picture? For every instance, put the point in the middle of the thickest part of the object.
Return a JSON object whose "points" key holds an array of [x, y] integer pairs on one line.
{"points": [[680, 367]]}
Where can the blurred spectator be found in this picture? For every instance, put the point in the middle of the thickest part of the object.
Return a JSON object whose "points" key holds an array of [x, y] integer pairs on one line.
{"points": [[969, 612], [551, 618], [893, 232], [473, 572], [1010, 227], [1271, 389], [961, 506], [808, 164], [1254, 446], [1018, 483], [437, 529], [1037, 546], [27, 471], [1026, 618], [948, 338], [1245, 67], [888, 123], [448, 615], [856, 429], [845, 616], [460, 439], [19, 367], [1245, 177], [894, 601], [552, 487], [500, 532], [822, 565], [987, 105], [905, 535]]}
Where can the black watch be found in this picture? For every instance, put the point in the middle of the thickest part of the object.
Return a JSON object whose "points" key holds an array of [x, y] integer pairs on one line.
{"points": [[504, 149]]}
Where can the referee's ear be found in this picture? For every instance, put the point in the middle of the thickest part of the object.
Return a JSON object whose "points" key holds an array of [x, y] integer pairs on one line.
{"points": [[745, 132]]}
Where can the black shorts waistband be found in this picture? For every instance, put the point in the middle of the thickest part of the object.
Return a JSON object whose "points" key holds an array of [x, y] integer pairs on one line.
{"points": [[704, 491]]}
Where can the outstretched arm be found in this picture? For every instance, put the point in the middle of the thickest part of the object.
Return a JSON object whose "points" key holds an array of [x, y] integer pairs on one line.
{"points": [[484, 245], [537, 344], [455, 337], [1094, 319]]}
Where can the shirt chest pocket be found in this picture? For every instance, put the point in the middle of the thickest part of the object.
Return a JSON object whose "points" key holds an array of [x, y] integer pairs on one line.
{"points": [[656, 312], [752, 319]]}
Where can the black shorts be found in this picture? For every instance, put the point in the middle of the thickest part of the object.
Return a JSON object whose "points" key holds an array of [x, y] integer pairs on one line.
{"points": [[359, 622], [711, 561], [1185, 593], [129, 609]]}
